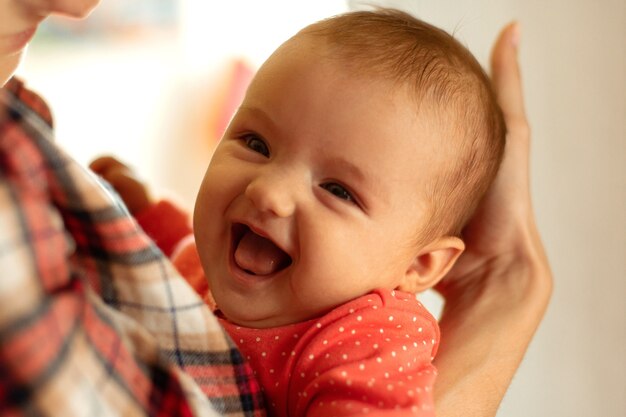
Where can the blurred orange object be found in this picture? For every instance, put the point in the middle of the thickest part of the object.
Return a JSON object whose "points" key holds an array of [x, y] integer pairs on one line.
{"points": [[239, 77]]}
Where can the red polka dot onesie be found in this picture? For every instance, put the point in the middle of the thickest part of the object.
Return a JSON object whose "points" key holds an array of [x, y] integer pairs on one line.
{"points": [[371, 356]]}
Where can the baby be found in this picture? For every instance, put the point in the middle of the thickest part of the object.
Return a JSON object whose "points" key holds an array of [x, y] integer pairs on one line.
{"points": [[337, 193]]}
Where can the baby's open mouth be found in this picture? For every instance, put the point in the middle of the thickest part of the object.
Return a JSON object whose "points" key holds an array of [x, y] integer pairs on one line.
{"points": [[255, 254]]}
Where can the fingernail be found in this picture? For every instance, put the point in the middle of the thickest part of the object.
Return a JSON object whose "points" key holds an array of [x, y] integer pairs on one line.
{"points": [[517, 33]]}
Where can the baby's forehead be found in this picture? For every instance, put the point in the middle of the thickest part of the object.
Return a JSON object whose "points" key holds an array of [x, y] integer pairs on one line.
{"points": [[433, 93], [389, 115]]}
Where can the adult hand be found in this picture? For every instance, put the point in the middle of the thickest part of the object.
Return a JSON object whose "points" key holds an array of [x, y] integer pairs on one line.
{"points": [[497, 293]]}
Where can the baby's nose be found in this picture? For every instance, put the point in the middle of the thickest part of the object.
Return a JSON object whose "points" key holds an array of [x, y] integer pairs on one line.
{"points": [[273, 193]]}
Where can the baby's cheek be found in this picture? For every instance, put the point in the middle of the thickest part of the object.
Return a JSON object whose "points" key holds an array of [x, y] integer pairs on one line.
{"points": [[335, 276]]}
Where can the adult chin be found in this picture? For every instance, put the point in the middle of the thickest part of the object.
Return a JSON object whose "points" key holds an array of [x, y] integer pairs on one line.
{"points": [[8, 65], [78, 9]]}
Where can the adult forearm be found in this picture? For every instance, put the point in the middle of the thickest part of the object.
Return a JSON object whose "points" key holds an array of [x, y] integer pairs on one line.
{"points": [[485, 336]]}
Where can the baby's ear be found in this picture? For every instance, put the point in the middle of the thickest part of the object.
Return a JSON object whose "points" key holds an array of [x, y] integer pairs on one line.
{"points": [[431, 264]]}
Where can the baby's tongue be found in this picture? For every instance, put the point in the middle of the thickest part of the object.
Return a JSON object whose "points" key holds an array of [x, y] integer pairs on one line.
{"points": [[259, 255]]}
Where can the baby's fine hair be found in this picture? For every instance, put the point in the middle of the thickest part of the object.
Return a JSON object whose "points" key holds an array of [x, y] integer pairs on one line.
{"points": [[445, 78]]}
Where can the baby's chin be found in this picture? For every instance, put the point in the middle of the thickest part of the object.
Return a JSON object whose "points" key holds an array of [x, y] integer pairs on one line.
{"points": [[265, 320], [250, 321]]}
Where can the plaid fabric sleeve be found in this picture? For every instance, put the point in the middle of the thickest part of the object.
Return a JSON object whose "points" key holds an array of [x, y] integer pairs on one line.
{"points": [[94, 321]]}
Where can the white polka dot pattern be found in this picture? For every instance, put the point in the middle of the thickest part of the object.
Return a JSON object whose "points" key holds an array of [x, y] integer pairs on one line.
{"points": [[369, 355]]}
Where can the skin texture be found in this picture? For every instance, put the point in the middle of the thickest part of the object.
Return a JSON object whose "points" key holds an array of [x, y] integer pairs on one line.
{"points": [[323, 164], [19, 20]]}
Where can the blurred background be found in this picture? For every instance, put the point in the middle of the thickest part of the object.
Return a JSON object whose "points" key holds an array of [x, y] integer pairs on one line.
{"points": [[155, 82]]}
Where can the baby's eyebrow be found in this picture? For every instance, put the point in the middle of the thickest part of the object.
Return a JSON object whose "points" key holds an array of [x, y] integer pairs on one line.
{"points": [[345, 165], [370, 185], [258, 113]]}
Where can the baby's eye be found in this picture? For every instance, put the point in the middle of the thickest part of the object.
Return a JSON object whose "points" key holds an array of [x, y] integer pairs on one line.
{"points": [[338, 191], [257, 145]]}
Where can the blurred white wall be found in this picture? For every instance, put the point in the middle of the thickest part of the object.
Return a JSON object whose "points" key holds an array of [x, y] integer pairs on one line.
{"points": [[153, 97]]}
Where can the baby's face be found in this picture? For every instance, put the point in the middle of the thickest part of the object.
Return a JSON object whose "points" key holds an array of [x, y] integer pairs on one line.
{"points": [[313, 197]]}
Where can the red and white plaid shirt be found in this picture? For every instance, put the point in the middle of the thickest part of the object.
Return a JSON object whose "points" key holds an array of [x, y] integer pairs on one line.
{"points": [[94, 320]]}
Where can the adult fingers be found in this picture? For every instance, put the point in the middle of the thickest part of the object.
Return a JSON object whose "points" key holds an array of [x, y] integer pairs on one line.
{"points": [[507, 83], [506, 75]]}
